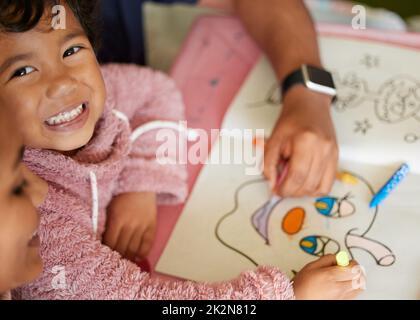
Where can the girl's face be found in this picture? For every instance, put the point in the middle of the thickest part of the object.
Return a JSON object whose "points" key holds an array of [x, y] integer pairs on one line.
{"points": [[52, 80], [19, 243]]}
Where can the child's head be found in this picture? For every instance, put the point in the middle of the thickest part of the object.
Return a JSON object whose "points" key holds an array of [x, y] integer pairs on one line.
{"points": [[19, 244], [49, 76]]}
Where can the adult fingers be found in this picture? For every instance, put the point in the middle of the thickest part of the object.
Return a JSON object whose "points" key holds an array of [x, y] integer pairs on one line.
{"points": [[272, 156], [327, 180], [300, 163], [313, 177]]}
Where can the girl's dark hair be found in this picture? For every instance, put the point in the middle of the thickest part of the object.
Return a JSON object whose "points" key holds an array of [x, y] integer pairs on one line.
{"points": [[24, 15]]}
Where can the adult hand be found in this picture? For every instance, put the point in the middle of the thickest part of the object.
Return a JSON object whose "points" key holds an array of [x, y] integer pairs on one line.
{"points": [[304, 136]]}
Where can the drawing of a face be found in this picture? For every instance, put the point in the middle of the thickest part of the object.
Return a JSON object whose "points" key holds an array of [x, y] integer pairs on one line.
{"points": [[400, 100], [351, 91], [290, 233]]}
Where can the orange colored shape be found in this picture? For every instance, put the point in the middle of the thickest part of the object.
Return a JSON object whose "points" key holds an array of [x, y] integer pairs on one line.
{"points": [[293, 221]]}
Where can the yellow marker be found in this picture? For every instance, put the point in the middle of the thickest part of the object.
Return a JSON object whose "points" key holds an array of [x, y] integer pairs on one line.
{"points": [[346, 177], [342, 259]]}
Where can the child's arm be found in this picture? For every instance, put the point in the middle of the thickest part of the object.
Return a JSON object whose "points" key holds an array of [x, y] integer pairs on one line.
{"points": [[143, 96], [77, 266], [131, 224], [140, 96]]}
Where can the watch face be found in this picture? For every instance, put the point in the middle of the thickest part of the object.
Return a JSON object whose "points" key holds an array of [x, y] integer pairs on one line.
{"points": [[319, 80], [320, 77]]}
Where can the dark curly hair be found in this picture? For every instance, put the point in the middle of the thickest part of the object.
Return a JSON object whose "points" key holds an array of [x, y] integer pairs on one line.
{"points": [[24, 15]]}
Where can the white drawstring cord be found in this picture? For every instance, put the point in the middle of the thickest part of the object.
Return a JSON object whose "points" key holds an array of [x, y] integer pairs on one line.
{"points": [[192, 135], [121, 116], [95, 201]]}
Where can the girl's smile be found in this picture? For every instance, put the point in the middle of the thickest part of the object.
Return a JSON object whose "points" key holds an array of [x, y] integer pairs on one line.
{"points": [[71, 119]]}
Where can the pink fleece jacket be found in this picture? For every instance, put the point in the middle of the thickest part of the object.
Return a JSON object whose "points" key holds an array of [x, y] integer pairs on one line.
{"points": [[73, 216]]}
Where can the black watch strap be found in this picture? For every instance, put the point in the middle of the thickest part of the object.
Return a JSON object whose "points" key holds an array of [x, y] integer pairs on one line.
{"points": [[296, 77]]}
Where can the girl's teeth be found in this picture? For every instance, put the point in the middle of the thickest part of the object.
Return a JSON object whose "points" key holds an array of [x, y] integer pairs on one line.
{"points": [[66, 116]]}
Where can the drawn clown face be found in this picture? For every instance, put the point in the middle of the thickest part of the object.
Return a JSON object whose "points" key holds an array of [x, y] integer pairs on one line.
{"points": [[289, 233], [400, 100], [351, 91]]}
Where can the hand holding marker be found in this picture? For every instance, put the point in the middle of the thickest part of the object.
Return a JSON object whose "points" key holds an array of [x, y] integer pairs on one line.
{"points": [[342, 259], [378, 198]]}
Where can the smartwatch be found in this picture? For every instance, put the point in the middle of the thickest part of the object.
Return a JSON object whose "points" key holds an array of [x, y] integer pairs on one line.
{"points": [[313, 78]]}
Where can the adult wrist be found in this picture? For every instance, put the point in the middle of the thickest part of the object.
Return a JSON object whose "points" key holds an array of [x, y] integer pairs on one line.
{"points": [[312, 78]]}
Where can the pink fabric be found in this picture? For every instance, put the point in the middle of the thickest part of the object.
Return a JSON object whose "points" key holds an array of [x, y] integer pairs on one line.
{"points": [[88, 269]]}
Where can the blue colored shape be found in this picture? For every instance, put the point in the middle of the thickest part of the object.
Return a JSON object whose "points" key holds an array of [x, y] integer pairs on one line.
{"points": [[312, 249], [329, 203]]}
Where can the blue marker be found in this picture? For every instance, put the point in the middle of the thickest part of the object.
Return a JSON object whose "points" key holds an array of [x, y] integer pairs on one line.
{"points": [[390, 186]]}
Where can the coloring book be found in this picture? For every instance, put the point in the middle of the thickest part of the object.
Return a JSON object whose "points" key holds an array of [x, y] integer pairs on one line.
{"points": [[232, 223]]}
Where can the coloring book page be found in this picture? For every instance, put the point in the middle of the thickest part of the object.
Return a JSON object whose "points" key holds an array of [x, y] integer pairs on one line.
{"points": [[377, 113], [232, 223]]}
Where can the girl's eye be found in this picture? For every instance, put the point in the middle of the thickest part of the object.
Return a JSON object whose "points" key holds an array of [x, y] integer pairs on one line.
{"points": [[71, 51], [18, 191], [23, 72]]}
